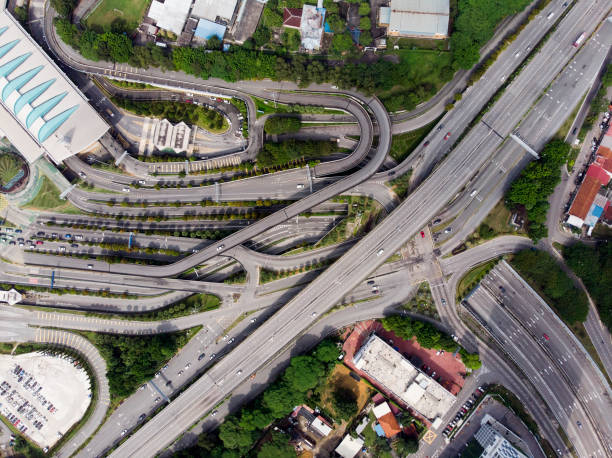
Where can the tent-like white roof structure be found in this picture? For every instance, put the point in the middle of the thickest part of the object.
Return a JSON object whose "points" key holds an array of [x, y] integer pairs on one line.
{"points": [[41, 110]]}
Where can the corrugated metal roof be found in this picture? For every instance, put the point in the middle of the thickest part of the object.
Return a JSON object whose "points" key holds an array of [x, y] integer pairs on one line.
{"points": [[207, 29], [419, 18], [211, 9], [170, 15]]}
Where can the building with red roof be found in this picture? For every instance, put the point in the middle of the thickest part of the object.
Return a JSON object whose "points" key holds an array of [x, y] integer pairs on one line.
{"points": [[588, 205], [386, 420], [292, 18]]}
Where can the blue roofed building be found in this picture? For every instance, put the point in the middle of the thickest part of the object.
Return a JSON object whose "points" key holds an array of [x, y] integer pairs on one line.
{"points": [[41, 111], [207, 29]]}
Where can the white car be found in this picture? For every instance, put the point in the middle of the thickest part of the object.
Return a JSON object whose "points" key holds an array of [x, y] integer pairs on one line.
{"points": [[126, 189], [220, 247], [300, 186], [380, 252]]}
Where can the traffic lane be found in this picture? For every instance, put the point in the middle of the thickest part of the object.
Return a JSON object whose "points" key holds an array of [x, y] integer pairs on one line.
{"points": [[530, 358], [283, 328], [457, 169], [556, 340], [268, 222], [481, 91], [548, 115]]}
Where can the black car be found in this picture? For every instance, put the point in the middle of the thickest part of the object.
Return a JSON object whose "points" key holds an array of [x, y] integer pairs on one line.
{"points": [[142, 417], [426, 143], [201, 357]]}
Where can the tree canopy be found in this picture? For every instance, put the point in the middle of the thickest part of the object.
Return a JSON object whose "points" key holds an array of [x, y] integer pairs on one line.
{"points": [[344, 402], [475, 24], [541, 269], [281, 125], [536, 183], [593, 264]]}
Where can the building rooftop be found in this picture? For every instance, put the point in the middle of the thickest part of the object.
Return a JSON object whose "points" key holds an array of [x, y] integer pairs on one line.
{"points": [[311, 27], [213, 9], [494, 444], [41, 110], [207, 29], [391, 370], [427, 18], [10, 297], [320, 426], [584, 199], [292, 17], [349, 447], [170, 14]]}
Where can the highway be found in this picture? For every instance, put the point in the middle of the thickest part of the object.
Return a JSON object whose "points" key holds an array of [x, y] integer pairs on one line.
{"points": [[551, 356], [286, 318], [293, 319]]}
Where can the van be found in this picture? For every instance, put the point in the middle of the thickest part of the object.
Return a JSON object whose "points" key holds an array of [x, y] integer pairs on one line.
{"points": [[380, 252]]}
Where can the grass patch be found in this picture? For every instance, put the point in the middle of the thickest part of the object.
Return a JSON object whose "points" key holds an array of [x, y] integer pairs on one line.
{"points": [[419, 75], [404, 144], [473, 277], [9, 167], [292, 151], [128, 12], [509, 399], [340, 379], [205, 118], [401, 184], [6, 348], [422, 302], [129, 84], [267, 276], [48, 198], [496, 223], [265, 107], [363, 214]]}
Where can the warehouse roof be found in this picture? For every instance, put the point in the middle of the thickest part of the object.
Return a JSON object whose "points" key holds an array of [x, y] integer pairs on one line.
{"points": [[211, 9], [41, 110], [170, 14], [428, 18], [391, 370]]}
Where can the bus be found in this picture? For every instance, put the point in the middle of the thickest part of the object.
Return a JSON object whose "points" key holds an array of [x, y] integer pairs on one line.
{"points": [[579, 40]]}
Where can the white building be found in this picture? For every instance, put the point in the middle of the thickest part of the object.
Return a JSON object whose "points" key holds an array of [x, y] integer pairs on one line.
{"points": [[311, 27], [10, 297], [41, 110], [170, 14], [494, 445], [391, 370], [168, 136], [349, 447], [214, 10], [416, 18]]}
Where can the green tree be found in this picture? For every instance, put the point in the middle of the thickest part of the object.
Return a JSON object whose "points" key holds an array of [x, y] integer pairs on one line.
{"points": [[304, 373], [365, 23], [365, 38], [233, 436], [277, 447], [364, 9], [404, 445], [327, 351], [63, 7], [470, 360], [341, 42], [279, 125], [336, 23], [593, 264], [344, 402]]}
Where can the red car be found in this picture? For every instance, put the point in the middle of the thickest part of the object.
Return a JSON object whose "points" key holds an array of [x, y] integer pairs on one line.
{"points": [[426, 143], [39, 242], [546, 336], [447, 136], [422, 234]]}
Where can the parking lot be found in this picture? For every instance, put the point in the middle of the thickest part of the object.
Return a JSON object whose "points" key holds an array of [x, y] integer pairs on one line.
{"points": [[43, 395]]}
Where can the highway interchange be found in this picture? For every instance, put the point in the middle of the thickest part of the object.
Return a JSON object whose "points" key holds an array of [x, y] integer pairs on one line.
{"points": [[456, 180]]}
